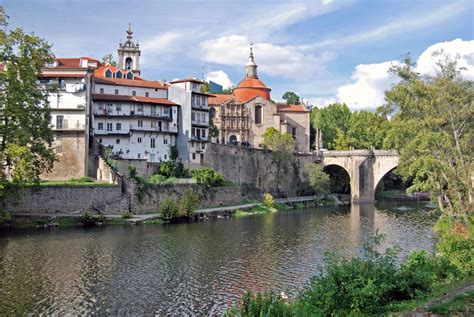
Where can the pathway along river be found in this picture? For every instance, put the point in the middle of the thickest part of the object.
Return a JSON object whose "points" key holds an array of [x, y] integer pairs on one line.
{"points": [[189, 269]]}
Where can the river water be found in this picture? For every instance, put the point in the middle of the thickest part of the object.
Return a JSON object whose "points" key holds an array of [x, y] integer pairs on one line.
{"points": [[189, 269]]}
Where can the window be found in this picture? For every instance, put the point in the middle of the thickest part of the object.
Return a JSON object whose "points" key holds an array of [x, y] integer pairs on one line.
{"points": [[152, 157], [193, 132], [116, 91], [100, 141], [101, 106], [108, 73], [101, 90], [202, 157], [140, 108], [128, 63], [129, 75], [147, 94], [118, 107], [165, 141], [109, 127], [258, 115], [118, 126], [119, 74], [166, 157], [198, 131], [117, 141], [138, 155], [152, 143], [204, 133], [100, 126], [59, 122], [139, 140], [152, 124], [203, 118], [193, 116], [194, 156], [203, 146], [293, 132], [134, 93], [140, 123]]}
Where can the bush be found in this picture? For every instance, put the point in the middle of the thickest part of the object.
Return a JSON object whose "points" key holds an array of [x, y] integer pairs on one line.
{"points": [[101, 217], [188, 202], [127, 215], [5, 217], [169, 209], [268, 200], [156, 179], [87, 218], [132, 172], [208, 177], [172, 169], [262, 304]]}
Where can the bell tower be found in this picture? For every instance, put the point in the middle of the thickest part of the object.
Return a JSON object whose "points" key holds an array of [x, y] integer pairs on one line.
{"points": [[251, 67], [129, 54]]}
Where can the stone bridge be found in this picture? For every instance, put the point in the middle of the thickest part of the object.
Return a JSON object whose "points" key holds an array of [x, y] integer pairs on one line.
{"points": [[365, 168]]}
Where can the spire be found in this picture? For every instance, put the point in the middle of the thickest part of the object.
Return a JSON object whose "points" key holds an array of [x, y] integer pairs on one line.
{"points": [[251, 67], [129, 32]]}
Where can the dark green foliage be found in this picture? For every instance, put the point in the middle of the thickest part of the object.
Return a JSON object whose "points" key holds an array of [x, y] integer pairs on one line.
{"points": [[87, 218], [169, 209], [127, 215], [172, 169], [208, 177], [5, 217], [291, 98], [101, 217], [262, 304], [188, 202], [173, 152], [132, 172]]}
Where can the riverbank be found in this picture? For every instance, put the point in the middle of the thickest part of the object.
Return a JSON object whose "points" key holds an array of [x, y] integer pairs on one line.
{"points": [[26, 220]]}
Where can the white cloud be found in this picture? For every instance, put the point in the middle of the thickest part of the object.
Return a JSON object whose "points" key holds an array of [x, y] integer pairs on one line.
{"points": [[369, 81], [320, 102], [161, 43], [285, 61], [368, 86], [221, 78], [426, 63]]}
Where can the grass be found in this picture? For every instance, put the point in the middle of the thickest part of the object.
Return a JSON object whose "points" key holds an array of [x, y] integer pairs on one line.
{"points": [[153, 221], [256, 210], [81, 181]]}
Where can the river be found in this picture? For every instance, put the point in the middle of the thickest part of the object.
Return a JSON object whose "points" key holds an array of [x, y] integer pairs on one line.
{"points": [[189, 269]]}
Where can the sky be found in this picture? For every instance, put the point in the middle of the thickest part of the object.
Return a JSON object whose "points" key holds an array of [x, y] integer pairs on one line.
{"points": [[324, 50]]}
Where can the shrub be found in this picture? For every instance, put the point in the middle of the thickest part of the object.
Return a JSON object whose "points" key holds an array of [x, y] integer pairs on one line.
{"points": [[169, 209], [156, 179], [132, 172], [188, 202], [101, 217], [167, 168], [262, 304], [5, 217], [87, 218], [208, 177], [268, 200], [127, 215]]}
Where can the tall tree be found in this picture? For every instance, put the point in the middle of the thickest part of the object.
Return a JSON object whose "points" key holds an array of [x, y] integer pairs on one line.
{"points": [[291, 98], [317, 178], [282, 147], [333, 117], [24, 124], [432, 127]]}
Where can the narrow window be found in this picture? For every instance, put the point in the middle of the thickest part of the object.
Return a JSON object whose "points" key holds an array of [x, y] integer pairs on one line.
{"points": [[203, 133], [134, 93], [116, 91], [100, 126], [147, 94], [109, 127], [101, 90], [138, 155], [165, 141], [166, 157], [108, 73], [100, 141], [139, 140], [59, 122], [258, 115], [119, 74], [140, 123], [117, 141], [118, 107], [129, 75], [194, 156], [118, 126], [140, 108], [152, 143]]}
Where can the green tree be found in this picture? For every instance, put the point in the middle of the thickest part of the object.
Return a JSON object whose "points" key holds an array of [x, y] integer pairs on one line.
{"points": [[366, 130], [317, 178], [205, 88], [282, 147], [108, 58], [24, 129], [333, 117], [291, 98], [432, 127]]}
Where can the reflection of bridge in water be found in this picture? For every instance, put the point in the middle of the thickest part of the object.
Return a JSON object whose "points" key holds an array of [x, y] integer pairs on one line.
{"points": [[365, 168]]}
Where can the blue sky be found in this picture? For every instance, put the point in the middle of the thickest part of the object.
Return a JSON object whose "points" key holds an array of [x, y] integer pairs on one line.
{"points": [[324, 50]]}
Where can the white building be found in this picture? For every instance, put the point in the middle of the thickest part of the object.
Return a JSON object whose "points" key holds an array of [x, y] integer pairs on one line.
{"points": [[194, 119], [131, 115], [70, 114]]}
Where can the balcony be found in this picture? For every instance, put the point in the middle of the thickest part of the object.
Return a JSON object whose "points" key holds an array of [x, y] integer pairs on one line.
{"points": [[66, 126], [112, 132], [200, 123], [133, 114], [199, 138], [149, 128]]}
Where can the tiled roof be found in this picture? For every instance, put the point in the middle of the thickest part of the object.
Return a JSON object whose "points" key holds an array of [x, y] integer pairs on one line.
{"points": [[251, 87], [137, 82], [219, 99], [187, 79], [74, 62], [291, 108], [139, 99]]}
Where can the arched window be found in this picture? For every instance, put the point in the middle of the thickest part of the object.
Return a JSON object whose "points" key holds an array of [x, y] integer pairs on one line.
{"points": [[129, 75], [119, 74], [128, 63], [258, 114], [212, 113], [108, 73]]}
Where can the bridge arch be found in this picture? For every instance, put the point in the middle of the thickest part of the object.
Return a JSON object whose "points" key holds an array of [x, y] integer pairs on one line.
{"points": [[340, 178], [382, 166]]}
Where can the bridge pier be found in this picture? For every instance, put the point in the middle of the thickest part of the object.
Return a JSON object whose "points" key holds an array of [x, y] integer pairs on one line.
{"points": [[365, 168]]}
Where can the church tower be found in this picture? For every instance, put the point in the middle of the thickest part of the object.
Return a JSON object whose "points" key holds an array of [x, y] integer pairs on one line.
{"points": [[251, 67], [129, 54]]}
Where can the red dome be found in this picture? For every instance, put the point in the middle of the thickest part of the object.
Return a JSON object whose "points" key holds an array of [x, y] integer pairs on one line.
{"points": [[250, 88]]}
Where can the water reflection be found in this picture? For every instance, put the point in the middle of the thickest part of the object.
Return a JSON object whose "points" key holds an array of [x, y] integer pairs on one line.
{"points": [[195, 268]]}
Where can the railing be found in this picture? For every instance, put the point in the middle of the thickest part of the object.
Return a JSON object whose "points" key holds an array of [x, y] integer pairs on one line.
{"points": [[152, 128], [66, 126], [112, 113], [199, 138]]}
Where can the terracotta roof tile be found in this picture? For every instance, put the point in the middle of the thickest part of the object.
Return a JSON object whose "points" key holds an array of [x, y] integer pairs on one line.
{"points": [[219, 99], [137, 82], [74, 62], [291, 108]]}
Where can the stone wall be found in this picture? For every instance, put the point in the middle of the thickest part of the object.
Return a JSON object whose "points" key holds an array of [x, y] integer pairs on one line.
{"points": [[150, 203], [143, 167], [254, 168], [66, 200]]}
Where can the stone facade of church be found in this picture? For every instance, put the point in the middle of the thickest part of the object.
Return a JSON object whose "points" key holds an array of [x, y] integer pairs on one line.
{"points": [[248, 112]]}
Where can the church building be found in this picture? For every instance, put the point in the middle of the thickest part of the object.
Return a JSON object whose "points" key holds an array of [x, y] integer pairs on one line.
{"points": [[246, 113]]}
